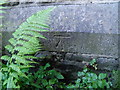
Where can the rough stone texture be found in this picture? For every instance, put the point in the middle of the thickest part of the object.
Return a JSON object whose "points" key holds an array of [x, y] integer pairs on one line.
{"points": [[79, 33], [92, 18], [62, 0], [84, 43]]}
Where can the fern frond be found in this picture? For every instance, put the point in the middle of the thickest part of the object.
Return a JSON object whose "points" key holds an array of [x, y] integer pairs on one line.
{"points": [[6, 58], [9, 48], [29, 33], [12, 41], [23, 45], [3, 7], [30, 57], [15, 75], [24, 37], [3, 2], [34, 25], [15, 67], [34, 40], [2, 11], [20, 59], [24, 50], [24, 67]]}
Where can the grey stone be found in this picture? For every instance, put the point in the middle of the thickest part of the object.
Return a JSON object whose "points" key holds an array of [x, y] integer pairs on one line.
{"points": [[43, 54], [107, 64], [85, 28], [92, 18], [84, 43]]}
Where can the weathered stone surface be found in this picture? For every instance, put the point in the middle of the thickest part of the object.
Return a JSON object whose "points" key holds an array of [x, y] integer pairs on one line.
{"points": [[62, 0], [101, 45], [84, 43], [79, 33], [97, 22], [93, 18], [107, 64]]}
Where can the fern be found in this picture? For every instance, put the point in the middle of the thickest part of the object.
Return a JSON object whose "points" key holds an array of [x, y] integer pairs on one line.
{"points": [[1, 11], [23, 45], [1, 7]]}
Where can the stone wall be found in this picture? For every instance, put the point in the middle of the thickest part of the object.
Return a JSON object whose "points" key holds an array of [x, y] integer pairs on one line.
{"points": [[79, 32]]}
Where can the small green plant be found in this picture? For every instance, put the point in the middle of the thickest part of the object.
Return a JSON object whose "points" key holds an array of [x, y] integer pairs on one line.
{"points": [[44, 78], [87, 79]]}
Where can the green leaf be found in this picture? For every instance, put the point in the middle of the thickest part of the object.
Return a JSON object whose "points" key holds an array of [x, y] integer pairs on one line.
{"points": [[5, 82], [1, 76], [1, 11], [36, 85], [49, 87], [6, 58], [94, 85], [21, 74], [20, 59], [101, 84], [13, 41], [71, 86], [25, 37], [9, 48], [92, 62], [93, 76], [85, 70], [10, 83], [52, 81], [25, 67], [3, 7], [44, 82], [59, 76], [5, 69], [81, 74], [30, 57], [46, 66], [36, 25], [24, 50], [102, 76], [14, 74], [107, 85], [3, 2], [90, 87], [14, 67], [78, 80]]}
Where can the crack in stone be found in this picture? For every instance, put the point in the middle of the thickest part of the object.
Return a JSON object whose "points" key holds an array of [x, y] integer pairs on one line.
{"points": [[58, 43]]}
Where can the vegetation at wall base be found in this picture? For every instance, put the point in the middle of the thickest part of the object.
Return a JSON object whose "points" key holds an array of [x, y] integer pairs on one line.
{"points": [[89, 80]]}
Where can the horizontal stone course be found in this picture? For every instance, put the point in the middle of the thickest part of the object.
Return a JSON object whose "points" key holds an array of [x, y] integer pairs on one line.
{"points": [[62, 0]]}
